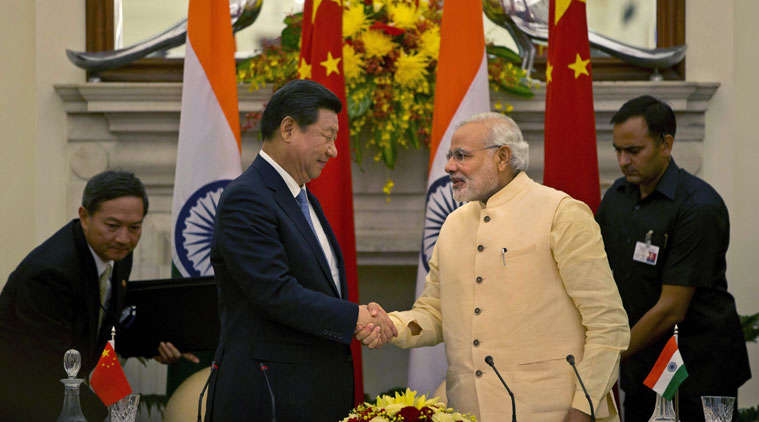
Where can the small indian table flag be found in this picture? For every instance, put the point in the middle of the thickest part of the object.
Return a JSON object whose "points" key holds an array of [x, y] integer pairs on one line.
{"points": [[668, 372]]}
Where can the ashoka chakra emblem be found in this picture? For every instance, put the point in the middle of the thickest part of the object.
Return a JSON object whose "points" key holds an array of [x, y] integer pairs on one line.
{"points": [[194, 231], [440, 203]]}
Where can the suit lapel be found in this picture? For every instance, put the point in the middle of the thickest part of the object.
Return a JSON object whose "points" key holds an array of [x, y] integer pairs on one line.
{"points": [[289, 205], [333, 243], [90, 286]]}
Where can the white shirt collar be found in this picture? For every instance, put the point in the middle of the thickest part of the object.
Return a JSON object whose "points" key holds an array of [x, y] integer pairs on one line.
{"points": [[99, 263], [289, 180]]}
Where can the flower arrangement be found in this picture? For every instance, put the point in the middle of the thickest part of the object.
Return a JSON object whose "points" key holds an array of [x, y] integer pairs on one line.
{"points": [[406, 407], [389, 58]]}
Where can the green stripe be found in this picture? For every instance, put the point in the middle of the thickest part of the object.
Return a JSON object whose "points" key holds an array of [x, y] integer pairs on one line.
{"points": [[680, 375], [174, 271]]}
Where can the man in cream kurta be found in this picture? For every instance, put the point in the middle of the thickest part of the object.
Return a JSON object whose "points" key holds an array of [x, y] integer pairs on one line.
{"points": [[520, 274]]}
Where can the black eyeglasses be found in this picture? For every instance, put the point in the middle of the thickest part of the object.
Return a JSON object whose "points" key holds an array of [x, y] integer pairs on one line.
{"points": [[460, 155]]}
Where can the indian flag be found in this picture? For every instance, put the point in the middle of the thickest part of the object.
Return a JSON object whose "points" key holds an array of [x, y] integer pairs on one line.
{"points": [[461, 91], [208, 154], [668, 372]]}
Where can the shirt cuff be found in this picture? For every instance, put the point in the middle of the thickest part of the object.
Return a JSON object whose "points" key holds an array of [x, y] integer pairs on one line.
{"points": [[607, 407]]}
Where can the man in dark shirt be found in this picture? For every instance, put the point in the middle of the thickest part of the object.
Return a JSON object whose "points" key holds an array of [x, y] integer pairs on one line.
{"points": [[666, 234]]}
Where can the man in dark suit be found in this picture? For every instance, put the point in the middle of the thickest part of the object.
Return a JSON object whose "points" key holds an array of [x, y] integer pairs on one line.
{"points": [[67, 294], [281, 278]]}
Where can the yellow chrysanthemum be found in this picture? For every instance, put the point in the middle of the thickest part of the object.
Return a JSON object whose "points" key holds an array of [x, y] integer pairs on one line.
{"points": [[408, 398], [404, 15], [354, 20], [376, 43], [353, 63], [394, 408], [411, 70], [442, 417], [429, 42]]}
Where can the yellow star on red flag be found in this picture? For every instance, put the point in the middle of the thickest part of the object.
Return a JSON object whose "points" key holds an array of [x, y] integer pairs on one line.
{"points": [[304, 70], [580, 66], [330, 65], [549, 70], [570, 118]]}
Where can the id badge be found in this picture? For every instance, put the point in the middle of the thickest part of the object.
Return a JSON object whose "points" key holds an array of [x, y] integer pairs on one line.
{"points": [[646, 253]]}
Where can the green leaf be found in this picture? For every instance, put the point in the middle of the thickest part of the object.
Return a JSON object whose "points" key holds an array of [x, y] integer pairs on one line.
{"points": [[357, 152], [520, 90], [750, 325], [389, 155], [291, 37], [505, 52], [411, 133], [294, 19], [149, 401], [358, 109]]}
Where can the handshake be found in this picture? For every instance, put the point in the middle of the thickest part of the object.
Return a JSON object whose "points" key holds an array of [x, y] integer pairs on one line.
{"points": [[374, 328]]}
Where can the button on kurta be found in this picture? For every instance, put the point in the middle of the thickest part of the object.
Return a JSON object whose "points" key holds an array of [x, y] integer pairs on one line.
{"points": [[479, 280], [477, 311], [478, 373], [480, 248], [487, 219], [476, 342]]}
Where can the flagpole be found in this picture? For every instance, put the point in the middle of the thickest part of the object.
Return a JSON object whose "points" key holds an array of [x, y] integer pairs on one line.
{"points": [[677, 392]]}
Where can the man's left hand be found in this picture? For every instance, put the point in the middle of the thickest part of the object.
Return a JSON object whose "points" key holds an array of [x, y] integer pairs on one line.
{"points": [[575, 415], [168, 354]]}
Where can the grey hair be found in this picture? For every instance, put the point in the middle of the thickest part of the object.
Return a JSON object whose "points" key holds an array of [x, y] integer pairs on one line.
{"points": [[503, 130]]}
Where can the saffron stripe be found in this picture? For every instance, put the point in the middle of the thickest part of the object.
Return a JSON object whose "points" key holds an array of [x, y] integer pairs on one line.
{"points": [[666, 376], [661, 364]]}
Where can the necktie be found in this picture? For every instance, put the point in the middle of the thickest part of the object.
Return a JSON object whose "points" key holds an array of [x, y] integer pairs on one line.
{"points": [[105, 278], [303, 202]]}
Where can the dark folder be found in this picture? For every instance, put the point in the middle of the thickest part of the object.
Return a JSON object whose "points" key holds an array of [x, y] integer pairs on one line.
{"points": [[183, 311]]}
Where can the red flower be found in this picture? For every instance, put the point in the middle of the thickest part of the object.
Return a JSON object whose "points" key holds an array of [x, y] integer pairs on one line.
{"points": [[410, 414], [389, 30], [427, 412]]}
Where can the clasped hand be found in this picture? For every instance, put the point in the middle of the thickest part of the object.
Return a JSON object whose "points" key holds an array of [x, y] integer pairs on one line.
{"points": [[374, 328]]}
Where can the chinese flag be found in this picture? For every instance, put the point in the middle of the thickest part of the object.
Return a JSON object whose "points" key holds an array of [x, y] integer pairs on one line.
{"points": [[571, 160], [108, 380], [321, 54]]}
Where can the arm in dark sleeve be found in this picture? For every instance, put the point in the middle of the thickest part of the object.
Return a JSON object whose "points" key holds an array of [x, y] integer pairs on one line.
{"points": [[697, 247], [249, 242], [694, 251]]}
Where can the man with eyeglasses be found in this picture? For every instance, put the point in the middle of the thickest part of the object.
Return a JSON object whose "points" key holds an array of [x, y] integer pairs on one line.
{"points": [[518, 273], [67, 294]]}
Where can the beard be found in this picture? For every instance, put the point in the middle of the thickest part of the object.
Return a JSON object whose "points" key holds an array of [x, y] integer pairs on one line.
{"points": [[479, 186]]}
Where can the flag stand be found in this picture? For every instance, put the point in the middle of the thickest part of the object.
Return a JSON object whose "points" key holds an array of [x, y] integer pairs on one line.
{"points": [[665, 379], [677, 393], [663, 411]]}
